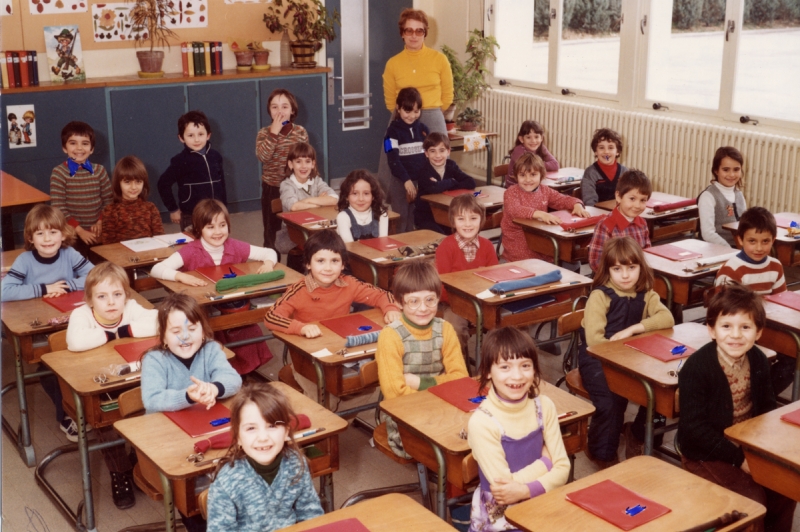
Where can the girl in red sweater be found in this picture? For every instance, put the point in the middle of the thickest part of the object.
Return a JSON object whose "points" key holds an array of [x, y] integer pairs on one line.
{"points": [[130, 216]]}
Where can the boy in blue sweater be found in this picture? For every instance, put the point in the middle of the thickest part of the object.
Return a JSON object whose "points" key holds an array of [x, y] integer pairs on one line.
{"points": [[403, 147], [197, 170]]}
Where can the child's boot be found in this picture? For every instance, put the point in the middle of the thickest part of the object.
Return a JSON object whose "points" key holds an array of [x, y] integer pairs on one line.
{"points": [[122, 490]]}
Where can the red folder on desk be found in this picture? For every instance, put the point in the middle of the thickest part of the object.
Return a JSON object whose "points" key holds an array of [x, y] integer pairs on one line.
{"points": [[345, 525], [67, 302], [662, 206], [302, 218], [382, 243], [505, 273], [215, 273], [792, 417], [570, 221], [615, 504], [132, 352], [660, 347], [196, 420], [349, 325], [668, 251], [459, 191], [786, 299], [458, 393]]}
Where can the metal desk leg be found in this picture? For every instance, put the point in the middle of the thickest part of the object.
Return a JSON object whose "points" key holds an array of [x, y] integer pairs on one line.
{"points": [[322, 393], [478, 331], [374, 274], [23, 436], [670, 295], [441, 485], [169, 505], [796, 385], [489, 161], [83, 451], [326, 490], [648, 424], [556, 250]]}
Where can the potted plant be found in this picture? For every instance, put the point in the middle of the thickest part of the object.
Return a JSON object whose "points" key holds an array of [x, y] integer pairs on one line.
{"points": [[309, 21], [245, 53], [469, 119], [469, 77], [149, 21]]}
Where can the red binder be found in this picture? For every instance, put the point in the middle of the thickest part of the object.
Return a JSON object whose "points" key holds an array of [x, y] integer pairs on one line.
{"points": [[196, 420], [67, 302], [460, 191], [345, 525], [133, 351], [570, 221], [786, 299], [659, 346], [614, 503], [505, 273], [184, 60], [215, 273], [661, 206], [458, 393], [383, 243], [668, 251], [302, 218], [784, 222], [348, 325], [792, 417]]}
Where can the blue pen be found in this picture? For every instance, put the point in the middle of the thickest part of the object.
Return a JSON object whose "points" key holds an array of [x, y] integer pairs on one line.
{"points": [[180, 241], [477, 400], [679, 365], [220, 421], [635, 510], [476, 193], [284, 122], [678, 350], [365, 327]]}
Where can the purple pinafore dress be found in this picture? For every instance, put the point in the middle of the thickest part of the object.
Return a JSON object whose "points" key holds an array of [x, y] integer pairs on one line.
{"points": [[487, 515]]}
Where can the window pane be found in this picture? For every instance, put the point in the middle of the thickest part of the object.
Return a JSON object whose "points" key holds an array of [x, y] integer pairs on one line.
{"points": [[768, 63], [521, 30], [684, 63], [589, 54], [354, 63]]}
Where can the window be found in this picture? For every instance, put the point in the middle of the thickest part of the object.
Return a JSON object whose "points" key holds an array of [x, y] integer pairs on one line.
{"points": [[355, 104], [527, 26]]}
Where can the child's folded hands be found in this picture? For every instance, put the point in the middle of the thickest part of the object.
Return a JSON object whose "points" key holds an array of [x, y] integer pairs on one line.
{"points": [[509, 491], [59, 288], [204, 393], [310, 330], [190, 280]]}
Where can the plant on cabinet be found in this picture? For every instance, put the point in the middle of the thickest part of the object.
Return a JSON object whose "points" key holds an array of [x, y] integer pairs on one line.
{"points": [[149, 18], [309, 21]]}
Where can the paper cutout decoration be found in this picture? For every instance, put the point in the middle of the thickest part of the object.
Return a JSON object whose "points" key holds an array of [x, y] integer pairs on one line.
{"points": [[5, 8], [64, 53], [111, 21], [50, 7], [21, 126]]}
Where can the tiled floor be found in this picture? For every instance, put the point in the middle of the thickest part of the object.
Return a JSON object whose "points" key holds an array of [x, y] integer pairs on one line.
{"points": [[26, 508]]}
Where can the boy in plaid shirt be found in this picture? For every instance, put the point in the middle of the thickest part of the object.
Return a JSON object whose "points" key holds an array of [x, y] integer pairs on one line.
{"points": [[633, 191]]}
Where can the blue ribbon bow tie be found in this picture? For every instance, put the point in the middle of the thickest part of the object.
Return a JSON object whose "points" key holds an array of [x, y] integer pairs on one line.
{"points": [[74, 167]]}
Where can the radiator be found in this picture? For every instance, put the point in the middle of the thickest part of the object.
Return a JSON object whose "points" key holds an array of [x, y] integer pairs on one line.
{"points": [[675, 154]]}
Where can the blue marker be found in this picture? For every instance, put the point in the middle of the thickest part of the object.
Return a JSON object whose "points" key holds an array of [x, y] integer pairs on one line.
{"points": [[678, 350], [476, 193], [477, 400], [365, 328], [180, 241], [219, 422], [635, 510], [230, 275]]}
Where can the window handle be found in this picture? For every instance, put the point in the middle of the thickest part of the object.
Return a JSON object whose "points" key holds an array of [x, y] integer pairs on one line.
{"points": [[730, 29], [642, 24]]}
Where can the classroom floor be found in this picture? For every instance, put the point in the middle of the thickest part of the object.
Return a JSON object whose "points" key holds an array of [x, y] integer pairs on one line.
{"points": [[26, 508]]}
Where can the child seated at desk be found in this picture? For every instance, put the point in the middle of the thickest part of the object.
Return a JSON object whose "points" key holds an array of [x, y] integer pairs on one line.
{"points": [[439, 175], [633, 191], [724, 382], [362, 212], [49, 268], [622, 303], [753, 267], [418, 350], [722, 202], [600, 180], [263, 482], [130, 216], [465, 249], [109, 314], [530, 199], [213, 247], [530, 139], [514, 435]]}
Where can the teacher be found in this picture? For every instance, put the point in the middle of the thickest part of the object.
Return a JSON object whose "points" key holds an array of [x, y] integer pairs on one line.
{"points": [[429, 72]]}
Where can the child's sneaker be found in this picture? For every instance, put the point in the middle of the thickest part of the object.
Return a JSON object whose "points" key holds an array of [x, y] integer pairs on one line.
{"points": [[70, 428]]}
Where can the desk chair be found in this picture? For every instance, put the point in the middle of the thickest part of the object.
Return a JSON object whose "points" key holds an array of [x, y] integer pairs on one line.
{"points": [[571, 324], [58, 341], [576, 193], [130, 404], [500, 171]]}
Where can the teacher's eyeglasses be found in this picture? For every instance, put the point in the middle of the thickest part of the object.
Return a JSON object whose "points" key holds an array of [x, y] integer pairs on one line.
{"points": [[419, 32], [414, 302]]}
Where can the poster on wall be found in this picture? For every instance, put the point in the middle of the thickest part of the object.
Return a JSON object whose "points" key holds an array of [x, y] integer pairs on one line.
{"points": [[21, 126], [111, 22], [49, 7], [5, 8], [64, 54]]}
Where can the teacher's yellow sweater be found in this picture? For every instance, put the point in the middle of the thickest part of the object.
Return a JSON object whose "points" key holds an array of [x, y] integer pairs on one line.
{"points": [[426, 70]]}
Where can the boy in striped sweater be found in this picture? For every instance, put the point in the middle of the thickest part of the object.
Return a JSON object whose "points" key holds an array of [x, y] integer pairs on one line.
{"points": [[79, 188]]}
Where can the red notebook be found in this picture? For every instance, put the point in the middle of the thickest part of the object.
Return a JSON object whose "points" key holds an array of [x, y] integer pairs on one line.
{"points": [[67, 302], [349, 325], [786, 299], [458, 393], [791, 417], [505, 273], [460, 191], [196, 420], [668, 251], [615, 504], [784, 222], [215, 273], [302, 218], [132, 352], [345, 525], [659, 346], [661, 206], [383, 243]]}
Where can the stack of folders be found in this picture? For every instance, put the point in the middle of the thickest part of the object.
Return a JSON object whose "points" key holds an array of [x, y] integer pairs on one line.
{"points": [[201, 58], [19, 68]]}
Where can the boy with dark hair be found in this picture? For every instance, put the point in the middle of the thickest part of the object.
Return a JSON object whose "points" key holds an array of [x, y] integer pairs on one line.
{"points": [[79, 188], [439, 175], [727, 381], [633, 191], [197, 170], [600, 179]]}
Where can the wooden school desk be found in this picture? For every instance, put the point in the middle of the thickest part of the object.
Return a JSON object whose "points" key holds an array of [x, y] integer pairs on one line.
{"points": [[18, 325], [693, 501], [388, 513], [576, 174], [130, 261], [770, 447], [463, 287], [784, 244], [674, 283], [783, 335], [166, 446], [16, 196], [375, 267], [440, 206], [236, 319], [554, 241], [457, 144], [299, 233], [328, 372], [660, 224], [430, 428]]}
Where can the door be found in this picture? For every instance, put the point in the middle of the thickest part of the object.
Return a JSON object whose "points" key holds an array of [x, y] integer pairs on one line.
{"points": [[356, 142]]}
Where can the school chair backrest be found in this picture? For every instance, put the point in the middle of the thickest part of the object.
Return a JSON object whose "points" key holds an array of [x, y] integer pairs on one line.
{"points": [[130, 402], [58, 341], [202, 503], [276, 206], [501, 171], [576, 193]]}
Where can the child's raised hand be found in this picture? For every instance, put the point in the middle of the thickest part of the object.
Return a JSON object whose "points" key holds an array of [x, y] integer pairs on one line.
{"points": [[411, 190], [310, 331], [175, 217], [268, 266], [190, 280], [412, 381], [546, 217], [578, 210], [59, 288], [391, 316], [509, 491]]}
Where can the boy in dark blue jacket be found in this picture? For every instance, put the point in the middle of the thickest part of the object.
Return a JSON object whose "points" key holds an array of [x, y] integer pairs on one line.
{"points": [[197, 170], [439, 175]]}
